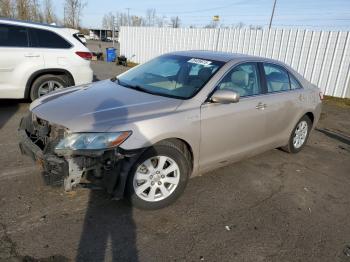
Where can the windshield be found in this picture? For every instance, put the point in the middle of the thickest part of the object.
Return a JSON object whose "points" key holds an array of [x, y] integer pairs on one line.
{"points": [[171, 75]]}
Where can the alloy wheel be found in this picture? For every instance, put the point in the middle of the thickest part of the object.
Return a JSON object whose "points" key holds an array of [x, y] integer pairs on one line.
{"points": [[300, 134], [48, 87], [156, 178]]}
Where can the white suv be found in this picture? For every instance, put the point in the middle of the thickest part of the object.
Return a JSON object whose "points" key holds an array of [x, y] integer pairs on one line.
{"points": [[36, 59]]}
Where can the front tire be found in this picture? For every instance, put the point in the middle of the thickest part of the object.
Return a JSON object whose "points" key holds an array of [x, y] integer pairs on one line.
{"points": [[158, 177], [299, 136]]}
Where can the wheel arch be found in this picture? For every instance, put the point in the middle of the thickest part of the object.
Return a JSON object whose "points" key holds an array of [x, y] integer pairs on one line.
{"points": [[311, 116], [182, 144], [48, 71]]}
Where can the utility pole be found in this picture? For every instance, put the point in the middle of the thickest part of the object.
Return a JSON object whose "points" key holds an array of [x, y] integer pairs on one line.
{"points": [[273, 12], [128, 15], [113, 29]]}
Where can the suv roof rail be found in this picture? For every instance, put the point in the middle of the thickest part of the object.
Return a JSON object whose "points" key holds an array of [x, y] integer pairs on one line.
{"points": [[29, 22]]}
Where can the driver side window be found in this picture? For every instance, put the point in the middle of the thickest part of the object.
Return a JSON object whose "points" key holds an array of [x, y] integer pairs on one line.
{"points": [[243, 79]]}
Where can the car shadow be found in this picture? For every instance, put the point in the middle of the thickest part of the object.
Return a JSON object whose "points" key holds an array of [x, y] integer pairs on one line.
{"points": [[334, 135], [95, 78], [8, 108], [109, 231]]}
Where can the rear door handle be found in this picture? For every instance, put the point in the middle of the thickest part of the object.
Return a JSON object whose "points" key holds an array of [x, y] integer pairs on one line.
{"points": [[261, 106]]}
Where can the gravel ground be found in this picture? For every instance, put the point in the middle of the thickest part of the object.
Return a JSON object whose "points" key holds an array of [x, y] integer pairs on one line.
{"points": [[272, 207]]}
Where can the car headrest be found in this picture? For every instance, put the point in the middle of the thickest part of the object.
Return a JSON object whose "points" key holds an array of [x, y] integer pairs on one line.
{"points": [[204, 73], [240, 78], [276, 77]]}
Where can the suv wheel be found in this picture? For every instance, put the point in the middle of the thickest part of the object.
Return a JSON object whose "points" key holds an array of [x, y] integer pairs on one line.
{"points": [[299, 136], [159, 177], [46, 84]]}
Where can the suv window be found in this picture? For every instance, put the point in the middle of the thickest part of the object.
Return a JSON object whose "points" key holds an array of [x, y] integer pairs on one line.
{"points": [[243, 79], [13, 36], [294, 84], [277, 78], [47, 39]]}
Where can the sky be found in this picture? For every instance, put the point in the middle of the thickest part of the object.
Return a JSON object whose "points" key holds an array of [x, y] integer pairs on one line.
{"points": [[311, 14]]}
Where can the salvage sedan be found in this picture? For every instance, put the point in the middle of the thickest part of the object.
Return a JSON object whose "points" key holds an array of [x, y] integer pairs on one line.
{"points": [[144, 133]]}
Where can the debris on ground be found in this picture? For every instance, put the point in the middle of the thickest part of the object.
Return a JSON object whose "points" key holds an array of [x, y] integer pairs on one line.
{"points": [[346, 251]]}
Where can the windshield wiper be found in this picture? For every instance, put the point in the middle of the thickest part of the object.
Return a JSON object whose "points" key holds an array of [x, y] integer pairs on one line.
{"points": [[135, 87]]}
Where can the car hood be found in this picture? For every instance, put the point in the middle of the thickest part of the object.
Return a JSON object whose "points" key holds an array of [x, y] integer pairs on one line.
{"points": [[100, 106]]}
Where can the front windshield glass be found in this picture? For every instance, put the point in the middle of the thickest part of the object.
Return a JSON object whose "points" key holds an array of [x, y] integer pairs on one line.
{"points": [[171, 75]]}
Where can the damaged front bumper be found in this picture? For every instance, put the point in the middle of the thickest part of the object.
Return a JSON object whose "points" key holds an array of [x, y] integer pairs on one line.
{"points": [[104, 168]]}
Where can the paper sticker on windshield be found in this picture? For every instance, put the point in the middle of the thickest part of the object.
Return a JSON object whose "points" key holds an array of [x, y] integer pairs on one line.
{"points": [[199, 61]]}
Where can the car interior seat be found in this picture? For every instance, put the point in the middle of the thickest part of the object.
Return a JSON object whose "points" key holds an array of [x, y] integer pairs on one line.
{"points": [[203, 75], [277, 82]]}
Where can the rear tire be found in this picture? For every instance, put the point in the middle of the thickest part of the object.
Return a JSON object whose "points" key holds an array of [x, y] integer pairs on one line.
{"points": [[299, 136], [46, 84], [150, 185]]}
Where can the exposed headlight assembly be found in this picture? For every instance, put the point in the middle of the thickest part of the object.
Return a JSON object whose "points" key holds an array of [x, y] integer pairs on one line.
{"points": [[92, 141]]}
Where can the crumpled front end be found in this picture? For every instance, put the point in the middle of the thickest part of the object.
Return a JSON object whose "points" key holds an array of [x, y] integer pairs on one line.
{"points": [[106, 168]]}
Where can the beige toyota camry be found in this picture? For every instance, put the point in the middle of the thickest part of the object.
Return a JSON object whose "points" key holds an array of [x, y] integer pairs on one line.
{"points": [[144, 133]]}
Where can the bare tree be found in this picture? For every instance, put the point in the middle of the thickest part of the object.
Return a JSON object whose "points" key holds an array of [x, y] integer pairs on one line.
{"points": [[255, 27], [122, 19], [212, 24], [23, 9], [240, 25], [35, 12], [150, 17], [7, 8], [137, 20], [48, 12], [72, 12], [175, 22], [108, 21]]}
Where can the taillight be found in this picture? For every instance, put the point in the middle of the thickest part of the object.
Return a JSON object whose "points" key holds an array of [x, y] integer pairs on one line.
{"points": [[321, 95], [84, 55]]}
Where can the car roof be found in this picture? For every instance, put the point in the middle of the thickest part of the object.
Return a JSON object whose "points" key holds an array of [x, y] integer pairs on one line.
{"points": [[236, 57], [15, 21], [219, 56]]}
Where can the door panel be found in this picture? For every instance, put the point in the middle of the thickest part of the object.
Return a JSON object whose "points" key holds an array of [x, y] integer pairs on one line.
{"points": [[282, 105], [17, 60], [230, 131], [281, 110], [15, 69]]}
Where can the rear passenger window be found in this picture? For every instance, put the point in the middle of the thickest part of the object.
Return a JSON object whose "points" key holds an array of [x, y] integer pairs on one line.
{"points": [[242, 79], [277, 78], [47, 39], [13, 36], [294, 84]]}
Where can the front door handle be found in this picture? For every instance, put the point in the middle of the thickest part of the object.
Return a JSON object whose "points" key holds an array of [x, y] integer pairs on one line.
{"points": [[261, 106]]}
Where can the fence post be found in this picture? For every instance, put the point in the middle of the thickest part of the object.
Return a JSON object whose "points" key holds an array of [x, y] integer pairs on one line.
{"points": [[217, 39]]}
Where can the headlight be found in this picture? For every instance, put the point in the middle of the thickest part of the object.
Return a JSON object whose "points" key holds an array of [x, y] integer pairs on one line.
{"points": [[92, 141]]}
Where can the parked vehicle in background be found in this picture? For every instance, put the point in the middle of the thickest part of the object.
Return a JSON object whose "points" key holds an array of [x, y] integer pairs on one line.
{"points": [[37, 59], [146, 132], [81, 38], [106, 39]]}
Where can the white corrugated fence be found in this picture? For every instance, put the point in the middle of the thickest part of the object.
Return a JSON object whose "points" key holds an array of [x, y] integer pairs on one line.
{"points": [[322, 57]]}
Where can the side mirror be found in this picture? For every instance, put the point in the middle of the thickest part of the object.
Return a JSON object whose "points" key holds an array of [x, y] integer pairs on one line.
{"points": [[225, 96]]}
